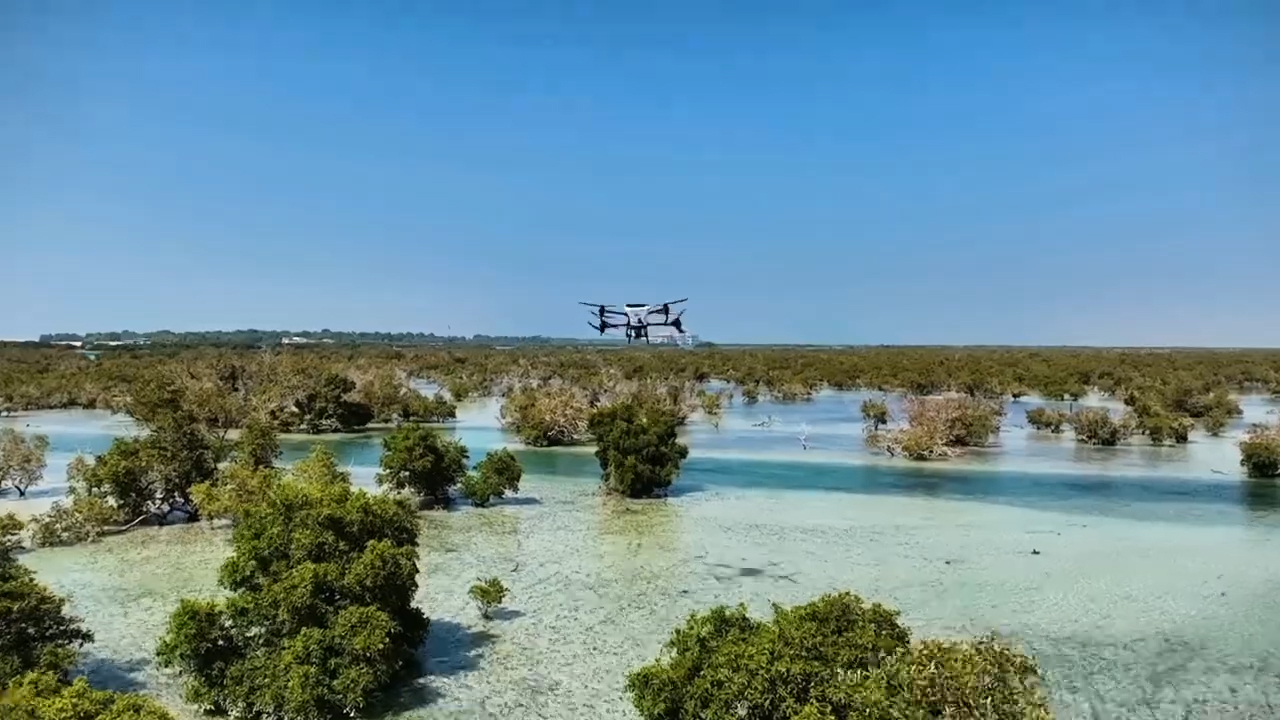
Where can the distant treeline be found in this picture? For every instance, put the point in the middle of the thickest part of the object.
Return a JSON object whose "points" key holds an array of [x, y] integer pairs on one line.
{"points": [[253, 337], [34, 377]]}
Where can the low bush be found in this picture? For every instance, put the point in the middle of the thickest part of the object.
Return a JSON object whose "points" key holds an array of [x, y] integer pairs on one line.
{"points": [[487, 593], [496, 475], [834, 658], [1260, 451]]}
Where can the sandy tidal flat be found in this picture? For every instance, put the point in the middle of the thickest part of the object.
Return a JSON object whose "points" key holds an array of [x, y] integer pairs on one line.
{"points": [[1129, 619]]}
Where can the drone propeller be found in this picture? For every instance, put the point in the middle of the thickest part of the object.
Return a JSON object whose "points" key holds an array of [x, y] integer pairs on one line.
{"points": [[665, 309], [603, 310], [604, 325]]}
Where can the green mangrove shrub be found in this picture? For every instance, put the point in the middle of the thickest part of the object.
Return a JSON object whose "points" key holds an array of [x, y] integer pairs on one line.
{"points": [[1260, 451], [637, 448], [1097, 426], [712, 406], [875, 413], [39, 644], [421, 460], [487, 594], [834, 658], [22, 460], [496, 475], [1047, 419], [319, 621]]}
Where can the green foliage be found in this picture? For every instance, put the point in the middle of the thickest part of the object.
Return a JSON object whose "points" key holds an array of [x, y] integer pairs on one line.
{"points": [[461, 389], [1215, 423], [36, 633], [979, 679], [320, 466], [1198, 402], [392, 399], [416, 407], [70, 522], [637, 448], [237, 488], [148, 475], [1097, 426], [22, 460], [258, 446], [11, 527], [1161, 426], [487, 593], [1051, 419], [171, 394], [45, 696], [834, 658], [496, 475], [383, 391], [320, 621], [419, 459], [547, 417], [1151, 415], [153, 474], [875, 414], [323, 405], [230, 384], [1260, 451], [38, 646], [248, 479], [712, 406]]}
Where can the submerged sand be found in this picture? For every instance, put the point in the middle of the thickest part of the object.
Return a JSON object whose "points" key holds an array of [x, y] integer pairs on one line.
{"points": [[1129, 618]]}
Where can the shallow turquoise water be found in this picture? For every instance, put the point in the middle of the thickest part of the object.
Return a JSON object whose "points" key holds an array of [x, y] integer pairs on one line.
{"points": [[1155, 593]]}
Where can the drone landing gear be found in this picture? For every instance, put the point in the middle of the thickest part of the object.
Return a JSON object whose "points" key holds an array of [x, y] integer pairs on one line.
{"points": [[636, 333]]}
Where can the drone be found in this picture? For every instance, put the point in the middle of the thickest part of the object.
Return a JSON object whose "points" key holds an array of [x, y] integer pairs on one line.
{"points": [[635, 319]]}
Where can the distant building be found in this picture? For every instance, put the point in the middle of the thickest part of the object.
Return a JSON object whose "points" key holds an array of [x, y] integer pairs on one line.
{"points": [[681, 339], [117, 343], [294, 340]]}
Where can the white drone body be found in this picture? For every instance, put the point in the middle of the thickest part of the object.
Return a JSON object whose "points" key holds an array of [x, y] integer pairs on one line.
{"points": [[635, 319]]}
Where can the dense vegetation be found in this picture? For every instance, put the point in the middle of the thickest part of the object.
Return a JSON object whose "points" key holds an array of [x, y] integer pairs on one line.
{"points": [[39, 645], [420, 460], [41, 377], [637, 448], [550, 392], [835, 658], [320, 621]]}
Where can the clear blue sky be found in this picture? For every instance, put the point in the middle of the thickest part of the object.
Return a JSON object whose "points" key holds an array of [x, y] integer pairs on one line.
{"points": [[987, 172]]}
